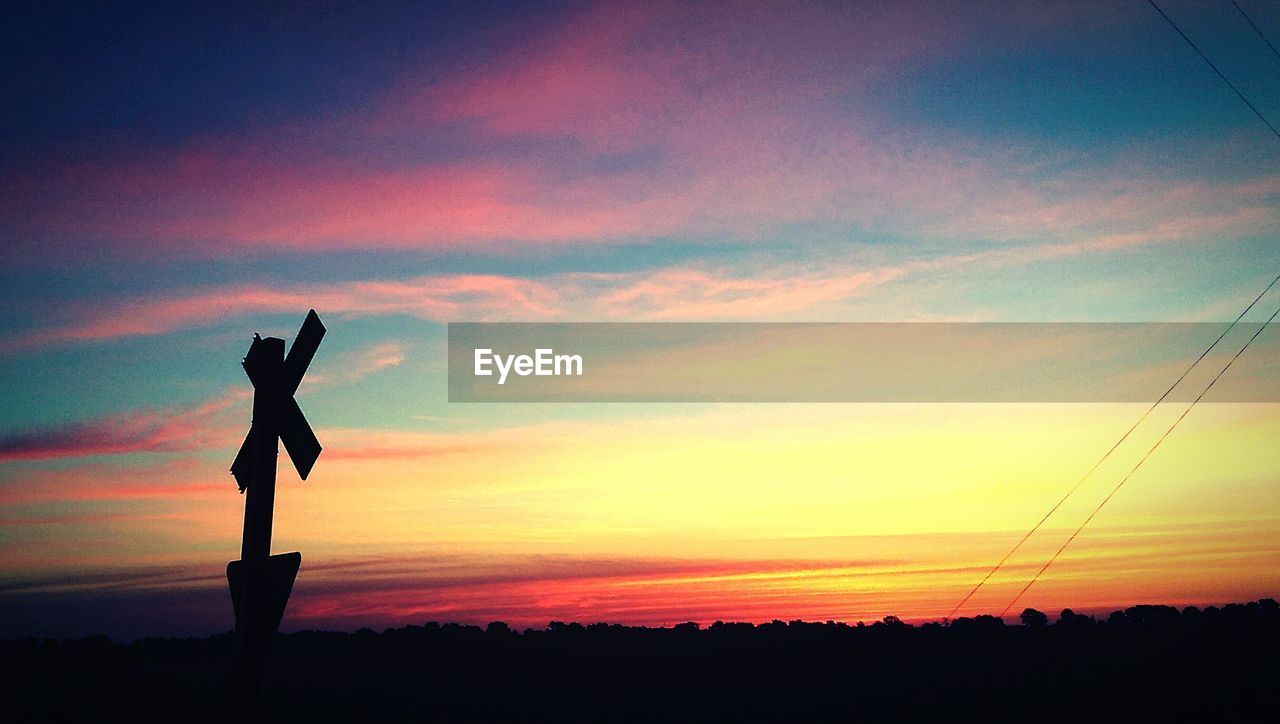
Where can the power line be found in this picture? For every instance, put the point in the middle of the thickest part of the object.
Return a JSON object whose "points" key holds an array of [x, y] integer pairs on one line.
{"points": [[1256, 29], [1068, 542], [1117, 444], [1204, 57], [1125, 479], [1146, 414]]}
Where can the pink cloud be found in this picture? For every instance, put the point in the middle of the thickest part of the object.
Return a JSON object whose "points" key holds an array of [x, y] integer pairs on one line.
{"points": [[744, 121], [620, 77], [671, 293], [76, 493], [212, 423], [357, 365], [750, 291], [429, 297], [682, 294], [173, 430]]}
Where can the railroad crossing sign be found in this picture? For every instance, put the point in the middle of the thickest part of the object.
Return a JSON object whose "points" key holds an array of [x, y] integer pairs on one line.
{"points": [[299, 441], [260, 582]]}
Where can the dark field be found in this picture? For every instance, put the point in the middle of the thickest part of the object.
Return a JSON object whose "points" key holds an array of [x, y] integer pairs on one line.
{"points": [[1147, 663]]}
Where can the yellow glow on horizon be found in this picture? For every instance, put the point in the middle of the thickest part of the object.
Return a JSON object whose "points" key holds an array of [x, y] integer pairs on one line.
{"points": [[743, 511]]}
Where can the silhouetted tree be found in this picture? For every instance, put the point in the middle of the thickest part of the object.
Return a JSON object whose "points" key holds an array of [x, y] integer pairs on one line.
{"points": [[1151, 614], [1033, 618], [1155, 664]]}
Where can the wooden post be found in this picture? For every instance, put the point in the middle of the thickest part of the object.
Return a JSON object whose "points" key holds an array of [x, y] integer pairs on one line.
{"points": [[253, 637]]}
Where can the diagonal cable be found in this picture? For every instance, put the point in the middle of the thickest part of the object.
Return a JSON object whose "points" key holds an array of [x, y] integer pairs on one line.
{"points": [[1256, 29], [1125, 479], [1106, 455], [1205, 58]]}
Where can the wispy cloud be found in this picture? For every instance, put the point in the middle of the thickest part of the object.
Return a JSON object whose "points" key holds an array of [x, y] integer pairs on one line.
{"points": [[531, 589], [750, 290], [638, 123], [434, 297], [169, 430], [179, 428], [663, 294], [357, 365]]}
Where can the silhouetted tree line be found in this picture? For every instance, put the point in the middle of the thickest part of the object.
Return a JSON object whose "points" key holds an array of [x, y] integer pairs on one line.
{"points": [[1145, 663]]}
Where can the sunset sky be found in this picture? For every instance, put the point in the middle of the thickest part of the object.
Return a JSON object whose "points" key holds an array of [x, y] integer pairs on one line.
{"points": [[174, 181]]}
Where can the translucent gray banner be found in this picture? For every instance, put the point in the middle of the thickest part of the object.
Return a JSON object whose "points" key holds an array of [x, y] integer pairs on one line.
{"points": [[856, 362]]}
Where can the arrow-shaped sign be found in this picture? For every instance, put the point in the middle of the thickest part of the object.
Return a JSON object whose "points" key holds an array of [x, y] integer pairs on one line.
{"points": [[272, 583]]}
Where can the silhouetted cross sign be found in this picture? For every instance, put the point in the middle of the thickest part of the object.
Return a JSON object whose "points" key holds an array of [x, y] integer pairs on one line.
{"points": [[274, 383], [260, 582]]}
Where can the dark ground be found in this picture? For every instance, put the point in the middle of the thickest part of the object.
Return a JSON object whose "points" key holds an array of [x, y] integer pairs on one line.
{"points": [[1147, 663]]}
